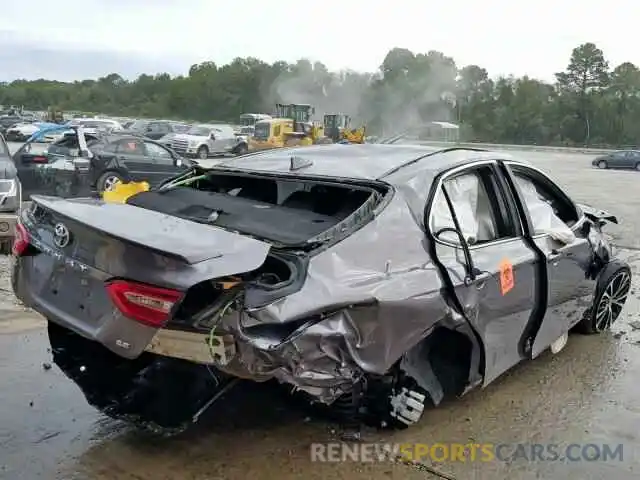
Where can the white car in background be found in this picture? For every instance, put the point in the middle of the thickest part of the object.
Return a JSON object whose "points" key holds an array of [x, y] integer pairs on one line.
{"points": [[208, 140], [21, 131], [90, 125], [103, 125]]}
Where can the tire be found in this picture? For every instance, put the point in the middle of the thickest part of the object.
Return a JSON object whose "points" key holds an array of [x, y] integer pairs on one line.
{"points": [[203, 152], [242, 149], [638, 166], [107, 180], [602, 165], [614, 283]]}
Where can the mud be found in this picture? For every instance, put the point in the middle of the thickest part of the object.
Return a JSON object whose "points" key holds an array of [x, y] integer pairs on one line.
{"points": [[587, 393]]}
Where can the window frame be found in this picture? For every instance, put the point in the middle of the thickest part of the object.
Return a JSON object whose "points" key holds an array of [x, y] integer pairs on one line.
{"points": [[159, 127], [151, 155], [549, 186], [501, 202], [121, 142]]}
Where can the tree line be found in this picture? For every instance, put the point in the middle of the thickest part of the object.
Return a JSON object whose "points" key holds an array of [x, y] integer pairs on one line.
{"points": [[588, 104]]}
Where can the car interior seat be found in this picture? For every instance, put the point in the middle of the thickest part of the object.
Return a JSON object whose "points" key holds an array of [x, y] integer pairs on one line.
{"points": [[260, 191], [302, 200], [484, 215]]}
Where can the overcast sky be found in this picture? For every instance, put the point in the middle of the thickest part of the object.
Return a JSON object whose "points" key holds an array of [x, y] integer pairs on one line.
{"points": [[136, 36]]}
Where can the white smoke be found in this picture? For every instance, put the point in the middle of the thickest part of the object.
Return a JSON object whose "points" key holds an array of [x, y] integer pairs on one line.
{"points": [[407, 91]]}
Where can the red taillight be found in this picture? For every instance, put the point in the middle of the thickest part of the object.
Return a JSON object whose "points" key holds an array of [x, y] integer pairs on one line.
{"points": [[40, 159], [20, 240], [143, 303]]}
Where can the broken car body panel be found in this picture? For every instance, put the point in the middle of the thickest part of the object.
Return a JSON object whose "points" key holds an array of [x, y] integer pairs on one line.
{"points": [[501, 274]]}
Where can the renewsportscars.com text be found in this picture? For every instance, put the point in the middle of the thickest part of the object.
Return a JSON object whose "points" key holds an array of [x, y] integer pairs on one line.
{"points": [[469, 452]]}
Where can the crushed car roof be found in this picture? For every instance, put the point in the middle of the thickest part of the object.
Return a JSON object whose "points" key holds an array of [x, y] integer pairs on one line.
{"points": [[365, 161]]}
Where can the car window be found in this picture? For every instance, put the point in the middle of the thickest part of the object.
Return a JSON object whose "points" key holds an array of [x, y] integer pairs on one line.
{"points": [[34, 148], [157, 127], [130, 147], [550, 210], [158, 152], [476, 208], [180, 128]]}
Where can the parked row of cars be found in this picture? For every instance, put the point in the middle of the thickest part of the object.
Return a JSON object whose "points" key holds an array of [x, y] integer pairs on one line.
{"points": [[84, 162], [194, 141]]}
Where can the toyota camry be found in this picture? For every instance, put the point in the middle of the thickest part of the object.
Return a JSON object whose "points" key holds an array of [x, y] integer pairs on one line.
{"points": [[373, 280]]}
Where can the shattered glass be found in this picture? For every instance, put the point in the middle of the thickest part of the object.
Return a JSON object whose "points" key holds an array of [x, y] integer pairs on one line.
{"points": [[543, 216]]}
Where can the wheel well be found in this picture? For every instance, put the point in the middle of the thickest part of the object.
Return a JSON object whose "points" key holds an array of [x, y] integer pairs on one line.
{"points": [[108, 171], [450, 357], [443, 363]]}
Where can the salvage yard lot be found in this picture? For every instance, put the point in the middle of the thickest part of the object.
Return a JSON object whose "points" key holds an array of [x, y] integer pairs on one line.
{"points": [[586, 394]]}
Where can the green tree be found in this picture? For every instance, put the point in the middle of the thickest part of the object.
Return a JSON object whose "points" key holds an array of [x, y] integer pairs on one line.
{"points": [[583, 81], [588, 103]]}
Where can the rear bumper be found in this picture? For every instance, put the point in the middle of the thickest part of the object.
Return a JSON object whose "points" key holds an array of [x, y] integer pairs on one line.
{"points": [[119, 334], [8, 225]]}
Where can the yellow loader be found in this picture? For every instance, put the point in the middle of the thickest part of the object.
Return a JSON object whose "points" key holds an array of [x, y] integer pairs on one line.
{"points": [[291, 126]]}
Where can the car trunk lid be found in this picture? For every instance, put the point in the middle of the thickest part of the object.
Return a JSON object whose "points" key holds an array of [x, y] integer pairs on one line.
{"points": [[181, 239], [114, 272]]}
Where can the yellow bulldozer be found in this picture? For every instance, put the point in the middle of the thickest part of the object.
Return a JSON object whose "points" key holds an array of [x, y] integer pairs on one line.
{"points": [[337, 127], [290, 126]]}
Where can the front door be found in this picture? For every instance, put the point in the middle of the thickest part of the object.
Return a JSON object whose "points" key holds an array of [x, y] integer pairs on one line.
{"points": [[164, 164], [556, 229], [132, 157], [501, 301]]}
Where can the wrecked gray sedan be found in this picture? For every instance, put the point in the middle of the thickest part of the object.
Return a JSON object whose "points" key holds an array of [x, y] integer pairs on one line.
{"points": [[372, 279]]}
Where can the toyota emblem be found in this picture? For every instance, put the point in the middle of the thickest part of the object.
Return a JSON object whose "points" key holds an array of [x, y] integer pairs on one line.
{"points": [[61, 235]]}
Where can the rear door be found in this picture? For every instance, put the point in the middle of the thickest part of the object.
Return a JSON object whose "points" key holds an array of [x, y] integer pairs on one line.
{"points": [[502, 301], [555, 225], [618, 160], [165, 165], [132, 157], [633, 160]]}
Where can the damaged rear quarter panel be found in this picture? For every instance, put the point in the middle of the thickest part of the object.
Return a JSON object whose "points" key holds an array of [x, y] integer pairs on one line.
{"points": [[385, 295]]}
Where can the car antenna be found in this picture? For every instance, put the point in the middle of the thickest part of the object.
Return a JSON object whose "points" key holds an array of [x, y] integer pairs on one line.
{"points": [[297, 163]]}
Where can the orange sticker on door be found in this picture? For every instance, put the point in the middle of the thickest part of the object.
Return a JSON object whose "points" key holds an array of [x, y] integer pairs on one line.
{"points": [[506, 276]]}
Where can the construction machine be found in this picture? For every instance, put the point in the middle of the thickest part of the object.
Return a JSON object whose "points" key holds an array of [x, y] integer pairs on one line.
{"points": [[305, 131], [337, 127], [291, 126], [54, 116]]}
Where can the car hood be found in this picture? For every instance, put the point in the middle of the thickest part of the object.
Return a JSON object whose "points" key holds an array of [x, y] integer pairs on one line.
{"points": [[596, 214], [28, 128], [184, 136]]}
